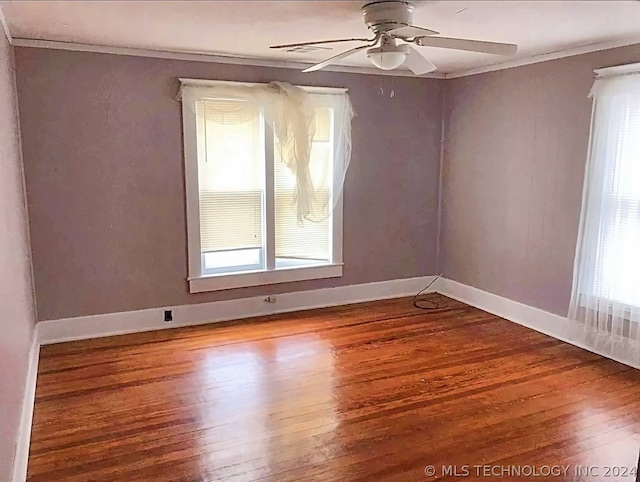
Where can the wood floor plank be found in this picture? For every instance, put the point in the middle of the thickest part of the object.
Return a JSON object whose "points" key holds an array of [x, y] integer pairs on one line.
{"points": [[373, 391]]}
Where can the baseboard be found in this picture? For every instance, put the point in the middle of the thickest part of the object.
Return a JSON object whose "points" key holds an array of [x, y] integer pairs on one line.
{"points": [[539, 320], [83, 327], [26, 413]]}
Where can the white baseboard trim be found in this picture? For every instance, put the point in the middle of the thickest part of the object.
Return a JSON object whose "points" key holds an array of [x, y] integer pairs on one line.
{"points": [[83, 327], [539, 320], [26, 413]]}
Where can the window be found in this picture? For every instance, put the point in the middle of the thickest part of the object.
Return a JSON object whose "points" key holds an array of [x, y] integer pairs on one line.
{"points": [[250, 222], [605, 297], [608, 260], [618, 259]]}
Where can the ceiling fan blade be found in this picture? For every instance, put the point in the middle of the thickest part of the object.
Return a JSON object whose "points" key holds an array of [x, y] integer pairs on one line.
{"points": [[411, 32], [418, 63], [321, 42], [335, 58], [469, 45]]}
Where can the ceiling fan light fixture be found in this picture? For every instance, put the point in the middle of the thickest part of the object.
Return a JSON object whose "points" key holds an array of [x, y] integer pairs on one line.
{"points": [[388, 57]]}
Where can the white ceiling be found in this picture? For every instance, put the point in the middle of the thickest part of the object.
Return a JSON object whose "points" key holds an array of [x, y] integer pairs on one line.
{"points": [[246, 28]]}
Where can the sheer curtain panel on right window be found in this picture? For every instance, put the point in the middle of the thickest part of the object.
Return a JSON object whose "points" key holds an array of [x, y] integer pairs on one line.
{"points": [[605, 302]]}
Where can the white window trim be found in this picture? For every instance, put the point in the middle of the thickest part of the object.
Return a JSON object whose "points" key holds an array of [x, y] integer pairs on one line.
{"points": [[259, 278], [199, 283]]}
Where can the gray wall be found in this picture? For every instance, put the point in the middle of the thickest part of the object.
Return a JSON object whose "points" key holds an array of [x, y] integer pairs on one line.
{"points": [[17, 318], [104, 170], [515, 152]]}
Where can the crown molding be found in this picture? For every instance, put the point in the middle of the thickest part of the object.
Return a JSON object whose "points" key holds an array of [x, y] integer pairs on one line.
{"points": [[5, 26], [283, 64], [205, 57], [585, 49]]}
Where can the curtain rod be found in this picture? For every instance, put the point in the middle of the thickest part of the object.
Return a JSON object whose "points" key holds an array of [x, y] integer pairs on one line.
{"points": [[628, 69], [218, 83]]}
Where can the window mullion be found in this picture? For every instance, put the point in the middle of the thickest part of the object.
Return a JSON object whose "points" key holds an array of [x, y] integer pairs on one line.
{"points": [[269, 205]]}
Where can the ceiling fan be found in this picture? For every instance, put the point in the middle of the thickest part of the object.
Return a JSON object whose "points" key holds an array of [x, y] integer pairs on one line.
{"points": [[391, 22]]}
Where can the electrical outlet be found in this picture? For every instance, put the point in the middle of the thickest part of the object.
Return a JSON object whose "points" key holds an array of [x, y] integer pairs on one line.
{"points": [[270, 299], [168, 316]]}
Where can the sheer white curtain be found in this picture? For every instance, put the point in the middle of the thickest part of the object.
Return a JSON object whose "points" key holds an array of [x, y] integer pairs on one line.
{"points": [[605, 302]]}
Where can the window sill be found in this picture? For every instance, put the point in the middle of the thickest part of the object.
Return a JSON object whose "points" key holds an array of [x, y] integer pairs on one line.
{"points": [[259, 278]]}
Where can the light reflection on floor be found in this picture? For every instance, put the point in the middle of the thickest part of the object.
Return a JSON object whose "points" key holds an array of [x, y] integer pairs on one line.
{"points": [[248, 388]]}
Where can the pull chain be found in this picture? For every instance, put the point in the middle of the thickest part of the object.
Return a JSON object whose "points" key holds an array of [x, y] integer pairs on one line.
{"points": [[392, 92]]}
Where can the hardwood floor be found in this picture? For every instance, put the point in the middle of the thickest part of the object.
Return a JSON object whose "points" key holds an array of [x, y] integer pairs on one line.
{"points": [[375, 391]]}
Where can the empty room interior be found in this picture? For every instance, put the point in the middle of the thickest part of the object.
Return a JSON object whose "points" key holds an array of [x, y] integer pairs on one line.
{"points": [[319, 240]]}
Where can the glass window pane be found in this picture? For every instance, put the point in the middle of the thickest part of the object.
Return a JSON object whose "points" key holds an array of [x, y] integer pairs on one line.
{"points": [[249, 259], [231, 178], [304, 243]]}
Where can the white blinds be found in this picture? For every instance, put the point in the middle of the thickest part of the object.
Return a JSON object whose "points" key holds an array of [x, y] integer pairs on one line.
{"points": [[230, 174], [606, 288], [305, 240]]}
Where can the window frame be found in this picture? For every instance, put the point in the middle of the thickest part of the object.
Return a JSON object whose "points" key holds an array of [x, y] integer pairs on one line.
{"points": [[199, 282]]}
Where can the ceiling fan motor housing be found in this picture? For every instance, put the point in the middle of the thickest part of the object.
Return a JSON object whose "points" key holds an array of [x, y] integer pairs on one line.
{"points": [[387, 15]]}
